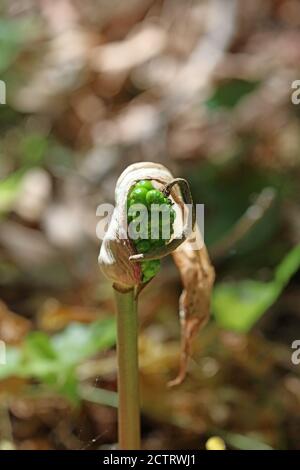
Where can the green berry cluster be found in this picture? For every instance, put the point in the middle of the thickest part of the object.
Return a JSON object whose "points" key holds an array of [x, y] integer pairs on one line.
{"points": [[157, 229]]}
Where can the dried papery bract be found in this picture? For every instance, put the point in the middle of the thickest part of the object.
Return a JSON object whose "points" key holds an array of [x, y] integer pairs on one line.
{"points": [[115, 252]]}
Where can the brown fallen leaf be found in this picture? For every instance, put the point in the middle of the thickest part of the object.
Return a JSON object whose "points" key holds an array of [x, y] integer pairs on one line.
{"points": [[13, 327]]}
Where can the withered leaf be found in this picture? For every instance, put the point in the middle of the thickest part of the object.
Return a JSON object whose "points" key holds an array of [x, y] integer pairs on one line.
{"points": [[197, 274]]}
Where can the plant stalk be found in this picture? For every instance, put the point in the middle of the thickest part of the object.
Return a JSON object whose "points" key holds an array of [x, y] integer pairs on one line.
{"points": [[128, 376]]}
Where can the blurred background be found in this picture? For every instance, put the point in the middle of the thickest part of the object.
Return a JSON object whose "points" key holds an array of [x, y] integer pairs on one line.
{"points": [[203, 87]]}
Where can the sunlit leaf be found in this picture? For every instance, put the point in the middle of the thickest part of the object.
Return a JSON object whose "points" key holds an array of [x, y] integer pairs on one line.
{"points": [[53, 359], [79, 341], [241, 442], [238, 305], [12, 38]]}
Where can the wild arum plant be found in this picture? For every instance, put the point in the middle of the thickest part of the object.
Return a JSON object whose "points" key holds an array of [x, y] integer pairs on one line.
{"points": [[154, 216]]}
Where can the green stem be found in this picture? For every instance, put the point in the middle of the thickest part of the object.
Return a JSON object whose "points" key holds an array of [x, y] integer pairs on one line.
{"points": [[128, 379]]}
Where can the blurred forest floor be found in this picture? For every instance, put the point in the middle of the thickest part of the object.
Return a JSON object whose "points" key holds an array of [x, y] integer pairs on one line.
{"points": [[203, 87]]}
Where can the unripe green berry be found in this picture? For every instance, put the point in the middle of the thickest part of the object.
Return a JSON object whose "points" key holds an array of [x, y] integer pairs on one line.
{"points": [[137, 210], [154, 197], [138, 195], [146, 184]]}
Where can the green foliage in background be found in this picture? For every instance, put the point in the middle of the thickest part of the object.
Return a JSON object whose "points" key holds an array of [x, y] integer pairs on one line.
{"points": [[32, 150], [229, 94], [226, 201], [9, 188], [15, 36], [238, 305], [52, 360], [241, 442]]}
